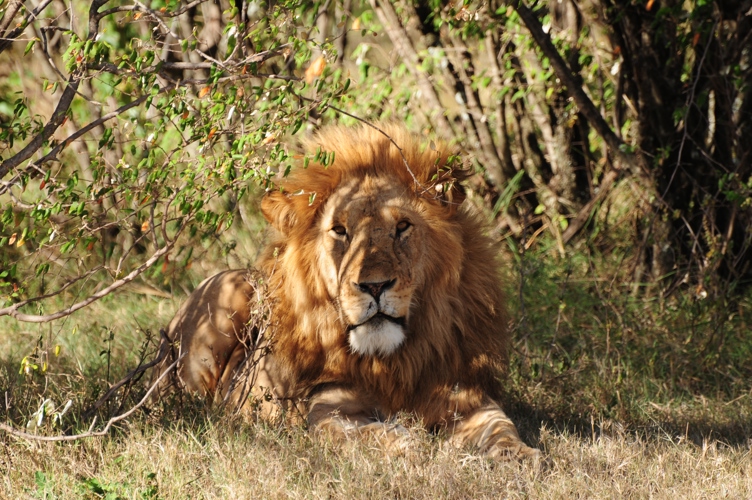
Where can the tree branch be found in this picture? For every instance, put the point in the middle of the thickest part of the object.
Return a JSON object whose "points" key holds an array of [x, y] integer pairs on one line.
{"points": [[573, 86], [634, 163], [61, 110], [8, 39], [388, 17], [34, 437], [57, 119], [34, 318]]}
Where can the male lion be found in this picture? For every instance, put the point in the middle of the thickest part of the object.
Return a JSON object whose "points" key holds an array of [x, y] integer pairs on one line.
{"points": [[384, 296]]}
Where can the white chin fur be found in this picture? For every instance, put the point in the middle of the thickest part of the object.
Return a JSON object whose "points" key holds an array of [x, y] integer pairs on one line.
{"points": [[376, 337]]}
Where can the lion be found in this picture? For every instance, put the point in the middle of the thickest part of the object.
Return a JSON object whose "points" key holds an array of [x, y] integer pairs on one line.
{"points": [[385, 299]]}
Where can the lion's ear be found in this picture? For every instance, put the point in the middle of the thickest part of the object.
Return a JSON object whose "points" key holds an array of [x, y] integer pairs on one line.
{"points": [[279, 210]]}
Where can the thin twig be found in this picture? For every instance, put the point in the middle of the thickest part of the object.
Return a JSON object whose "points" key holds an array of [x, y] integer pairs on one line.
{"points": [[163, 350], [90, 433], [66, 285], [687, 105], [34, 318]]}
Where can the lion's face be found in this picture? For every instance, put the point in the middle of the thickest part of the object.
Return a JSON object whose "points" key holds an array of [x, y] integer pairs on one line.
{"points": [[370, 236]]}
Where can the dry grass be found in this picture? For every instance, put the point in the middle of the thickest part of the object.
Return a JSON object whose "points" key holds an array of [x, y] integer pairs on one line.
{"points": [[212, 459]]}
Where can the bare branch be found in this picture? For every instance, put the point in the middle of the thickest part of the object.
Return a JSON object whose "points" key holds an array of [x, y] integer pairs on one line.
{"points": [[33, 318], [90, 433]]}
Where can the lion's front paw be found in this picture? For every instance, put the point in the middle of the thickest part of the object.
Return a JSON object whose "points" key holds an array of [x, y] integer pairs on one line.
{"points": [[395, 438], [513, 451]]}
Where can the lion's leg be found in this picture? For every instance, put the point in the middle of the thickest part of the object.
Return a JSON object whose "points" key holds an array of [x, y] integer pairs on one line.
{"points": [[342, 414], [492, 432]]}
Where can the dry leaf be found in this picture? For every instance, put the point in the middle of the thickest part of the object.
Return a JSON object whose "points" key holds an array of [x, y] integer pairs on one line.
{"points": [[315, 69], [268, 139], [145, 226], [649, 4], [12, 239], [203, 92], [356, 24]]}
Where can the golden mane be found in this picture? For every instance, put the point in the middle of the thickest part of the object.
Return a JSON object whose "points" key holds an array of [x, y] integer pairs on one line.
{"points": [[458, 332]]}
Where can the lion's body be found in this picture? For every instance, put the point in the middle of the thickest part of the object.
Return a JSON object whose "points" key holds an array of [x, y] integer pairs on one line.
{"points": [[385, 298]]}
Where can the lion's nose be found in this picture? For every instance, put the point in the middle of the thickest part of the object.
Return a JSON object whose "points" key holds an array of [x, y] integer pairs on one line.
{"points": [[376, 289]]}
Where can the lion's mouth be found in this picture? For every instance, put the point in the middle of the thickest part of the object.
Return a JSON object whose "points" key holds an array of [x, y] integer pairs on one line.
{"points": [[378, 318]]}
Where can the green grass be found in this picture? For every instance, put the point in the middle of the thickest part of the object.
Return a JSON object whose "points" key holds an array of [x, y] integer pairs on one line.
{"points": [[628, 395]]}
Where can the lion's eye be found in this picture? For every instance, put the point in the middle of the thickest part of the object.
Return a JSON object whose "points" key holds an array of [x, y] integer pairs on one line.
{"points": [[340, 230], [402, 226]]}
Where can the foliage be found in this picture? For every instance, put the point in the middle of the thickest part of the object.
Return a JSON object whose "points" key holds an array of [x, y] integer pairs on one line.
{"points": [[171, 114]]}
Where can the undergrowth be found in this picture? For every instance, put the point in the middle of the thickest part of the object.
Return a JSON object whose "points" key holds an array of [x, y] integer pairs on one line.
{"points": [[610, 382]]}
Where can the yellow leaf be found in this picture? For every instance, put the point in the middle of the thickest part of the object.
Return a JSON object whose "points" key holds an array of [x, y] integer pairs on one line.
{"points": [[356, 24], [204, 91]]}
